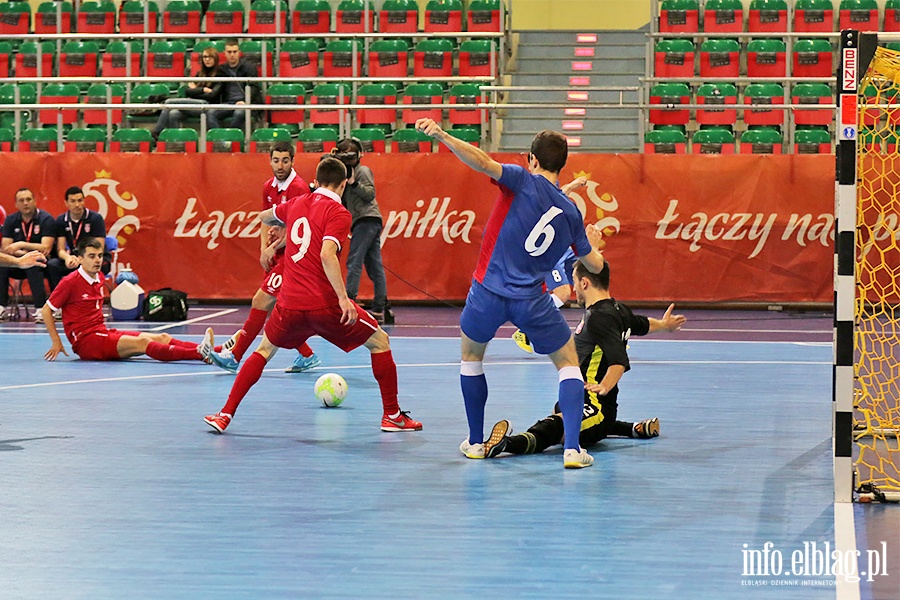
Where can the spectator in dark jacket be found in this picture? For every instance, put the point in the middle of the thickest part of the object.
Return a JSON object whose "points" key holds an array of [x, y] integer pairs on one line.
{"points": [[204, 90], [233, 92]]}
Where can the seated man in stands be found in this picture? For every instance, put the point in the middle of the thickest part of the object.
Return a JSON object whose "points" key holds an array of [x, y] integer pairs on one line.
{"points": [[233, 92], [29, 229]]}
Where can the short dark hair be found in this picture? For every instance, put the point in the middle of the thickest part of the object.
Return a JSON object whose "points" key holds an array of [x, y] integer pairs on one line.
{"points": [[232, 42], [330, 172], [282, 147], [551, 150], [89, 242], [73, 190], [23, 189], [598, 280], [350, 144]]}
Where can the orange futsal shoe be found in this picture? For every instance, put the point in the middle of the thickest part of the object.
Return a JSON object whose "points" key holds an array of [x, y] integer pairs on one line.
{"points": [[218, 421], [401, 423]]}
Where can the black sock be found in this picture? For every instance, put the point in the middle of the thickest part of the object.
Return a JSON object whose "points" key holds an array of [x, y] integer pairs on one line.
{"points": [[622, 429]]}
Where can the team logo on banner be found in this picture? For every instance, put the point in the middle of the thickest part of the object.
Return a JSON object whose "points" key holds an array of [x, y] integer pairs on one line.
{"points": [[603, 203], [104, 190]]}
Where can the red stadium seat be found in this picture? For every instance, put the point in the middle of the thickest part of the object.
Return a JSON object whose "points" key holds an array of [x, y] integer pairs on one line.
{"points": [[389, 58], [483, 15], [811, 94], [422, 94], [812, 58], [58, 94], [398, 16], [328, 93], [766, 58], [225, 16], [679, 16], [433, 58], [114, 62], [466, 94], [338, 59], [763, 94], [768, 16], [182, 16], [262, 17], [99, 94], [716, 94], [27, 59], [377, 93], [46, 19], [299, 58], [720, 58], [670, 93], [97, 17], [286, 93], [861, 15], [166, 59], [814, 16], [15, 18], [311, 16], [351, 17], [78, 59], [665, 140], [443, 16], [131, 17], [475, 58], [723, 16], [674, 58]]}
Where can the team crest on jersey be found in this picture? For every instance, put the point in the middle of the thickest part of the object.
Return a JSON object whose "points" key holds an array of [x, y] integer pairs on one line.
{"points": [[580, 326], [87, 227], [37, 229]]}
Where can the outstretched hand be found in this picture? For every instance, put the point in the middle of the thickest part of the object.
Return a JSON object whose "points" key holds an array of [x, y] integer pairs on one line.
{"points": [[595, 236], [35, 258], [430, 128], [672, 322], [54, 351]]}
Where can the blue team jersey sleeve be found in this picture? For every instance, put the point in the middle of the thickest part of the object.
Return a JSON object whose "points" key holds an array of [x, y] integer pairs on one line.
{"points": [[513, 177], [581, 246]]}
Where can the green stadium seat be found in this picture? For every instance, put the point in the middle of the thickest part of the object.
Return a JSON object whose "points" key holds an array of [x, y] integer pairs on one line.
{"points": [[389, 58], [328, 93], [225, 139], [813, 16], [182, 16], [5, 53], [97, 17], [372, 139], [475, 59], [27, 95], [251, 50], [861, 15], [443, 16], [433, 58], [812, 58], [465, 94], [762, 94], [338, 59], [114, 62], [225, 16], [262, 17], [892, 15], [39, 140], [769, 16], [377, 93], [178, 140], [85, 140], [674, 58], [350, 17], [7, 139], [712, 141], [483, 15], [422, 94], [399, 16], [264, 138], [131, 140], [321, 139], [99, 94], [299, 58], [717, 94], [311, 16], [46, 21], [766, 140], [147, 93], [286, 93], [166, 59], [131, 17], [679, 16], [766, 58], [27, 63], [670, 93], [665, 141], [79, 59], [466, 134], [811, 94], [15, 18], [410, 140], [59, 94], [723, 16], [812, 141], [720, 58]]}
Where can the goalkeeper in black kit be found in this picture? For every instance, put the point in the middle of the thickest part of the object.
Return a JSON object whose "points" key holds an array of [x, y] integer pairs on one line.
{"points": [[601, 340]]}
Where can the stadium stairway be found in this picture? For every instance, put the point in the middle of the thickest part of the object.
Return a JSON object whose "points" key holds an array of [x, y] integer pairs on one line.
{"points": [[548, 58]]}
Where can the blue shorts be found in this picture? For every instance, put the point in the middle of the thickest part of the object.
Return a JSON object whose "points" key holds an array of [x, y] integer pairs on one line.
{"points": [[561, 274], [541, 321]]}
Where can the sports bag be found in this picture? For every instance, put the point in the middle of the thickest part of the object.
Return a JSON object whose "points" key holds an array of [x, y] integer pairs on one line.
{"points": [[165, 305]]}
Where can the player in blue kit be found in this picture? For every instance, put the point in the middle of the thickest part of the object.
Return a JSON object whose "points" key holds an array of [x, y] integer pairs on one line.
{"points": [[530, 227]]}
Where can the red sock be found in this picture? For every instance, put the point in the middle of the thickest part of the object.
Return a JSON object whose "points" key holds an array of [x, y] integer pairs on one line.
{"points": [[168, 353], [183, 344], [252, 326], [385, 370], [246, 378], [305, 351]]}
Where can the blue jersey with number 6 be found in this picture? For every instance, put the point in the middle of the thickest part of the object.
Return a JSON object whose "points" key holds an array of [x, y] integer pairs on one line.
{"points": [[530, 227]]}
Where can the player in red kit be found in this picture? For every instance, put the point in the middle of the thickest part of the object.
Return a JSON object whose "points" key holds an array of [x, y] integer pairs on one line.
{"points": [[80, 295], [313, 298], [284, 185]]}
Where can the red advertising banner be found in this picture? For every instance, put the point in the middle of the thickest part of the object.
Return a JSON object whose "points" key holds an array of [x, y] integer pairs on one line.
{"points": [[681, 228]]}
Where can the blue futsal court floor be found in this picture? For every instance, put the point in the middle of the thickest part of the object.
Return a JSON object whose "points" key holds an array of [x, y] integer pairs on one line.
{"points": [[111, 485]]}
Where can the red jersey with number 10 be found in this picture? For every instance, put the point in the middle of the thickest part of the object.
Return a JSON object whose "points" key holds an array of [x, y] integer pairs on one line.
{"points": [[309, 221], [276, 192]]}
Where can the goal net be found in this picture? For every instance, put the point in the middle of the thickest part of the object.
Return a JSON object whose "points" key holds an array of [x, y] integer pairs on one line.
{"points": [[873, 397]]}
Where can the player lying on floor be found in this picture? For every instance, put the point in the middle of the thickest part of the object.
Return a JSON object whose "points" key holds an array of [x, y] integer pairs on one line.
{"points": [[80, 297], [601, 340]]}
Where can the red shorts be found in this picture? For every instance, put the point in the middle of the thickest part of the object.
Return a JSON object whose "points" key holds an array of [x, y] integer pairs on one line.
{"points": [[272, 283], [288, 328], [100, 345]]}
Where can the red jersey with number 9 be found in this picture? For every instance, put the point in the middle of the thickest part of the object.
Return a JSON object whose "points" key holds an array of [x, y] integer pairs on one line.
{"points": [[309, 221]]}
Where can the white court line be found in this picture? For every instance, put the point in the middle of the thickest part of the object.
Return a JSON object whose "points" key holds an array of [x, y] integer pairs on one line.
{"points": [[845, 543], [221, 313], [330, 368]]}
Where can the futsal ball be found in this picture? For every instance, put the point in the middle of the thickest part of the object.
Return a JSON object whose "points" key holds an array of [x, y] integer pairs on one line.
{"points": [[331, 389], [127, 275]]}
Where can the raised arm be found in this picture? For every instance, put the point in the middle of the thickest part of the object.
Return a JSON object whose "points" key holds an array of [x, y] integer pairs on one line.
{"points": [[574, 185], [594, 260], [332, 266], [470, 155], [669, 322]]}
